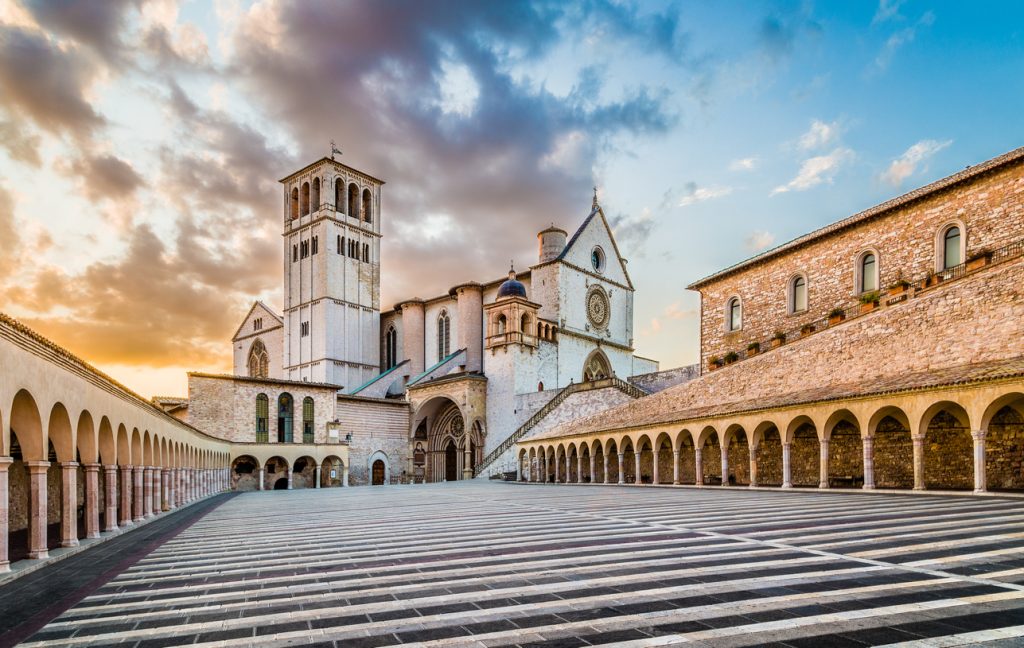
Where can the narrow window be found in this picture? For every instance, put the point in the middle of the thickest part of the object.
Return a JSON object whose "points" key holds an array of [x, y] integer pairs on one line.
{"points": [[305, 198], [284, 418], [259, 360], [868, 273], [316, 195], [366, 252], [444, 330], [367, 202], [390, 348], [307, 420], [295, 202], [316, 244], [951, 248], [502, 325], [353, 199], [339, 194], [734, 315], [798, 300], [339, 243], [295, 253], [262, 419]]}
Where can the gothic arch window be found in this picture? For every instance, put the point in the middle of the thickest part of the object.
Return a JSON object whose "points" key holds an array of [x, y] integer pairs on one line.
{"points": [[339, 194], [733, 314], [353, 199], [305, 198], [284, 418], [262, 419], [259, 360], [367, 206], [295, 202], [866, 270], [596, 367], [949, 246], [316, 194], [444, 335], [390, 348], [307, 420], [797, 294]]}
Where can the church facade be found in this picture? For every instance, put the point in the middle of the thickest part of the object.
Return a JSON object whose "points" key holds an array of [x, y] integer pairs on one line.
{"points": [[471, 366]]}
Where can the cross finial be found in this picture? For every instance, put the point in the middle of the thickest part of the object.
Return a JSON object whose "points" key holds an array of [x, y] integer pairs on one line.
{"points": [[595, 198], [512, 269], [334, 149]]}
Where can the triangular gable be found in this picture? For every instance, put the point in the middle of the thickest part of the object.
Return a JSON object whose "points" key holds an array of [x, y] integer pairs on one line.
{"points": [[577, 255], [263, 309]]}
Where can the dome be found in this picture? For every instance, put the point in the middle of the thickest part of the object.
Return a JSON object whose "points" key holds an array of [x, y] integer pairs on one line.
{"points": [[511, 287]]}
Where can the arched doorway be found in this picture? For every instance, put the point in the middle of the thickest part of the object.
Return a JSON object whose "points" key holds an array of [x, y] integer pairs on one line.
{"points": [[281, 483], [377, 473], [451, 461]]}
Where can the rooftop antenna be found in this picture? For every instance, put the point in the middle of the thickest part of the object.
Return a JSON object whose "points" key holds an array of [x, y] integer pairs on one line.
{"points": [[334, 149]]}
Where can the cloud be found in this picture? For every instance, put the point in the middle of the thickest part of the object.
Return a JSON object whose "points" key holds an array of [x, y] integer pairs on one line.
{"points": [[632, 232], [675, 311], [96, 24], [45, 84], [906, 165], [695, 194], [743, 164], [887, 10], [758, 241], [9, 239], [819, 135], [817, 170], [898, 40], [21, 144], [107, 177]]}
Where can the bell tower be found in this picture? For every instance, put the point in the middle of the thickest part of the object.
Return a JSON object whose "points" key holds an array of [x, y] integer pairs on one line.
{"points": [[332, 232]]}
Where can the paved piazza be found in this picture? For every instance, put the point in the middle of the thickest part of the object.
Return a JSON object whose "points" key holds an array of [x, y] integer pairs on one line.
{"points": [[477, 564]]}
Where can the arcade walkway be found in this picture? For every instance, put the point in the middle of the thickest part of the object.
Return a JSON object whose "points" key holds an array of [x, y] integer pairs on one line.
{"points": [[481, 564]]}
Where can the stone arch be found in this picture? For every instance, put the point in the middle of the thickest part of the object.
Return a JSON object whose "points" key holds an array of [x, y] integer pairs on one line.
{"points": [[276, 473], [258, 362], [948, 447], [332, 472], [889, 427], [687, 457], [304, 472], [842, 432], [107, 443], [27, 427], [245, 473], [295, 202], [804, 452], [628, 450], [571, 465], [445, 427], [380, 473], [711, 456], [366, 207], [137, 455], [597, 366], [585, 476], [611, 450], [339, 194], [1003, 425], [645, 451], [60, 434], [737, 445], [353, 200], [304, 199], [147, 449], [768, 454], [664, 457], [315, 197], [523, 463]]}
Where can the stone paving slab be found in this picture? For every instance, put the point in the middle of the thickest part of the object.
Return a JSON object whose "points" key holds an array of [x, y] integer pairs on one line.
{"points": [[490, 564]]}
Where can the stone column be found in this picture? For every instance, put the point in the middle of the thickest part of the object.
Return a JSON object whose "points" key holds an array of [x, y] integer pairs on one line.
{"points": [[69, 504], [787, 473], [344, 475], [656, 471], [147, 491], [753, 466], [467, 463], [317, 470], [918, 440], [290, 473], [158, 490], [636, 464], [604, 464], [675, 466], [823, 463], [126, 496], [165, 487], [138, 494], [5, 524], [868, 444], [579, 468], [622, 463], [568, 468], [92, 500], [110, 514], [557, 470], [980, 481], [725, 465], [37, 509], [698, 467], [593, 469], [261, 478]]}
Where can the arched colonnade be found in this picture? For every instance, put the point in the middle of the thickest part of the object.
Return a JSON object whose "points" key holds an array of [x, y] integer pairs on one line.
{"points": [[286, 467], [966, 438]]}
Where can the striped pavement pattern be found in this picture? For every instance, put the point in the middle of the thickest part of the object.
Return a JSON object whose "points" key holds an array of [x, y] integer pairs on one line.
{"points": [[493, 564]]}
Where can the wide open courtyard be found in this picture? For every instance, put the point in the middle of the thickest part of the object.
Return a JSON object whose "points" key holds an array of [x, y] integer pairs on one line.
{"points": [[492, 564]]}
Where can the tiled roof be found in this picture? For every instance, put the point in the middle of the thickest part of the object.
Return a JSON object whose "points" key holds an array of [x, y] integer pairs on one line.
{"points": [[970, 172], [666, 408]]}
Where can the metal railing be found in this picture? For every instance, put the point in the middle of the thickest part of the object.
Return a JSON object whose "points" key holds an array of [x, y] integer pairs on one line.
{"points": [[890, 297], [627, 388]]}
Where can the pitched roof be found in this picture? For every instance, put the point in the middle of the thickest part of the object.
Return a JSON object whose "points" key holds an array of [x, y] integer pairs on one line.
{"points": [[245, 319], [969, 173], [596, 211]]}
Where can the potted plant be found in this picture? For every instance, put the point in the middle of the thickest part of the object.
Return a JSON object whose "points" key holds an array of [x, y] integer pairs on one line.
{"points": [[979, 259], [806, 330], [898, 286], [835, 316], [933, 280], [868, 301], [714, 362], [778, 339], [753, 349], [731, 357]]}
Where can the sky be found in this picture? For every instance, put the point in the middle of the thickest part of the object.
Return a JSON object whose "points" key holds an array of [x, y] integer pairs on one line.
{"points": [[141, 143]]}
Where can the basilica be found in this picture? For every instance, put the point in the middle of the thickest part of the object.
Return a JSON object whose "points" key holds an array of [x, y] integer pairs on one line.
{"points": [[429, 389]]}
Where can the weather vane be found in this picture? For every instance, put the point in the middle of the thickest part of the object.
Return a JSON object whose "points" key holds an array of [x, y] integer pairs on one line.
{"points": [[334, 149]]}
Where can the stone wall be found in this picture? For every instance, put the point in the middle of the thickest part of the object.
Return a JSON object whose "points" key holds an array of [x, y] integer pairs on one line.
{"points": [[659, 380], [990, 207], [1004, 459], [376, 426]]}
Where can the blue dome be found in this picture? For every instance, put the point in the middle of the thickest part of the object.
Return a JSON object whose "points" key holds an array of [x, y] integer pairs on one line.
{"points": [[512, 287]]}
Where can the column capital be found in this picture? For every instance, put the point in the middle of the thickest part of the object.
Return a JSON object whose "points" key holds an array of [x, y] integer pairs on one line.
{"points": [[978, 435], [37, 464], [69, 464], [109, 466], [90, 466], [917, 438], [5, 462]]}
